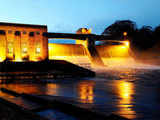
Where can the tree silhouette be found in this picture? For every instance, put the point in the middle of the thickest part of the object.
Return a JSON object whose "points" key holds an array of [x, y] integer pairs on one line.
{"points": [[119, 27], [157, 33], [140, 39], [143, 38]]}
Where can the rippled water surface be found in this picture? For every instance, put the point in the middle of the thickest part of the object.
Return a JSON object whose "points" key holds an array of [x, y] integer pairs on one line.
{"points": [[129, 92]]}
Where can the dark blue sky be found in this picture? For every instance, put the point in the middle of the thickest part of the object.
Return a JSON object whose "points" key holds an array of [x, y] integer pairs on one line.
{"points": [[69, 15]]}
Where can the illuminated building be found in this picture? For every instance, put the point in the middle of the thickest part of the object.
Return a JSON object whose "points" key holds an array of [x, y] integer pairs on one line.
{"points": [[23, 42]]}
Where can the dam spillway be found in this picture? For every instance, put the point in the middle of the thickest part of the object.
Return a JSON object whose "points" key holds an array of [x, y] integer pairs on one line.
{"points": [[115, 54], [77, 53], [73, 53]]}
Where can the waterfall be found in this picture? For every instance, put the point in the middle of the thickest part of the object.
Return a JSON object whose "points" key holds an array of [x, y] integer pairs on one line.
{"points": [[73, 53], [114, 55]]}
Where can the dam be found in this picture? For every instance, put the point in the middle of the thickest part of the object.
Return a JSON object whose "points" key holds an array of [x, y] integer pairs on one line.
{"points": [[119, 91], [77, 54], [26, 42]]}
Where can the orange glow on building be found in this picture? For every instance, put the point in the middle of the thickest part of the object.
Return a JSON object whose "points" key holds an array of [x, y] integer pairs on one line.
{"points": [[23, 42], [2, 46], [125, 33]]}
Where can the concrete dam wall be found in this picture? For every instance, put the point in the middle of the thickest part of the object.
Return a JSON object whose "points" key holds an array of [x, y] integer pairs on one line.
{"points": [[74, 53], [77, 53]]}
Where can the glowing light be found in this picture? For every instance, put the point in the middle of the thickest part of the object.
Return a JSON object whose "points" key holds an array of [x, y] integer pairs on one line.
{"points": [[18, 60], [52, 89], [125, 91], [125, 33], [90, 31], [2, 48], [63, 51], [86, 31], [126, 43], [10, 48], [118, 51], [86, 92], [24, 50], [34, 60], [38, 50], [83, 30], [1, 59], [124, 47]]}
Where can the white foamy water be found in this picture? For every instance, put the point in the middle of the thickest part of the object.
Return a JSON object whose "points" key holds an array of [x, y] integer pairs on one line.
{"points": [[128, 62]]}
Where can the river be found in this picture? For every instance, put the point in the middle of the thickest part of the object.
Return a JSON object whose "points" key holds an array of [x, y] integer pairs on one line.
{"points": [[131, 92]]}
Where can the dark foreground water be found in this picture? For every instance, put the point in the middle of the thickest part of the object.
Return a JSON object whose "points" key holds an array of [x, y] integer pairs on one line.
{"points": [[129, 92]]}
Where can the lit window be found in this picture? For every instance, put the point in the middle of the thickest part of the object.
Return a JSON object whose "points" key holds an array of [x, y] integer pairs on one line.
{"points": [[38, 50], [10, 48], [24, 50], [24, 47]]}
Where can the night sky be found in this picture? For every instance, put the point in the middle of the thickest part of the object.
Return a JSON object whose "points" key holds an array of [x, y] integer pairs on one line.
{"points": [[69, 15]]}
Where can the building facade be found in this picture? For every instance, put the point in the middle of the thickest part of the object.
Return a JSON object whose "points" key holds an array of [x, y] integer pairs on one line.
{"points": [[23, 42]]}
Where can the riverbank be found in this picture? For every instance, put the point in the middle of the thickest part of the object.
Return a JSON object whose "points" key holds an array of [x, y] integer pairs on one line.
{"points": [[43, 69]]}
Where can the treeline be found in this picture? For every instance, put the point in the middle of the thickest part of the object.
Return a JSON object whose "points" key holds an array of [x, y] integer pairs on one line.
{"points": [[142, 39]]}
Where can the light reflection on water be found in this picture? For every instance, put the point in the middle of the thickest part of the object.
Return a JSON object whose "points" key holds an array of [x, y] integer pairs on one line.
{"points": [[33, 88], [125, 91], [121, 89], [86, 92]]}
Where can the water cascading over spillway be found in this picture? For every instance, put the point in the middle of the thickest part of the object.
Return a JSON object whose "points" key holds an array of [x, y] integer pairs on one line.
{"points": [[112, 55], [121, 56], [74, 53], [115, 55]]}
